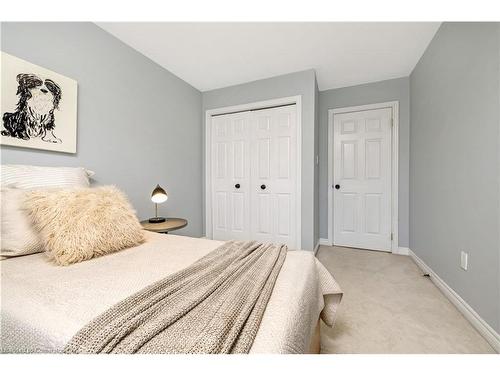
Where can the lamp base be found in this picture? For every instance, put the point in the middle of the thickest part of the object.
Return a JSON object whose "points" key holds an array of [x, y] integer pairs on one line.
{"points": [[157, 220]]}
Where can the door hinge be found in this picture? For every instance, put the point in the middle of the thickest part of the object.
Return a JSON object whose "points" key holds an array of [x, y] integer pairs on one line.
{"points": [[392, 122], [392, 236]]}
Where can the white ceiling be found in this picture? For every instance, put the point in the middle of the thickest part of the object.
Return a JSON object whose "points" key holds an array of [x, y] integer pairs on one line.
{"points": [[214, 55]]}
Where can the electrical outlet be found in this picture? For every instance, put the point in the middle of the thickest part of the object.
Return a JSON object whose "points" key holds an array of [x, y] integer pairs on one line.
{"points": [[464, 260]]}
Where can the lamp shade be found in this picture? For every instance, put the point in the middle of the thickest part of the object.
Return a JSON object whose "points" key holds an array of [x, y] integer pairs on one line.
{"points": [[159, 195]]}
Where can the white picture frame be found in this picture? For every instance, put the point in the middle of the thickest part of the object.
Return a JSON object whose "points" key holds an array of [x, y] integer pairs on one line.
{"points": [[38, 107]]}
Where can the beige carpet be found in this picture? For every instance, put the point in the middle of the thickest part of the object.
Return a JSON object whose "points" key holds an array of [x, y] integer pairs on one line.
{"points": [[389, 307]]}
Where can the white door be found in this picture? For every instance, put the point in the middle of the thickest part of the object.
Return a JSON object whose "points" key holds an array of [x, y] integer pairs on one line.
{"points": [[362, 179], [230, 176], [273, 175], [254, 178]]}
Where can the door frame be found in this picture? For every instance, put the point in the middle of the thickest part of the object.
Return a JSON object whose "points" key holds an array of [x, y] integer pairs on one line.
{"points": [[297, 100], [394, 105]]}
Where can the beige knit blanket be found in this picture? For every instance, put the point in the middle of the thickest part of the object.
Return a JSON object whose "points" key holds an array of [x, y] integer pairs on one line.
{"points": [[213, 306]]}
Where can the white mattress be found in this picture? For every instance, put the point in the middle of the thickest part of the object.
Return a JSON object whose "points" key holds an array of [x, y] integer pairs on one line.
{"points": [[44, 305]]}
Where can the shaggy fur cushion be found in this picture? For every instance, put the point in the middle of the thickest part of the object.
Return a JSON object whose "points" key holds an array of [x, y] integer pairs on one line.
{"points": [[79, 224]]}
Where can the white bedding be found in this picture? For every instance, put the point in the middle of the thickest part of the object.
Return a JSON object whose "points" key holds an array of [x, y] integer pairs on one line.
{"points": [[44, 305]]}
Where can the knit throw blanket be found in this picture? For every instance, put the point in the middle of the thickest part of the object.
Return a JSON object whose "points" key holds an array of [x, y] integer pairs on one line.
{"points": [[213, 306]]}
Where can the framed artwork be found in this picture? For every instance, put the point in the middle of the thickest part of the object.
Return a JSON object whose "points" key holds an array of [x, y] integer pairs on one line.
{"points": [[38, 107]]}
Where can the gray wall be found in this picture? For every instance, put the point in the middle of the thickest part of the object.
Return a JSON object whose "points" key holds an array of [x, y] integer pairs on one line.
{"points": [[300, 83], [454, 161], [383, 91], [138, 125]]}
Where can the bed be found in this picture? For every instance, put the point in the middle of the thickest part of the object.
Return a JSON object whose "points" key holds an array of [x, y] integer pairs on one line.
{"points": [[43, 305]]}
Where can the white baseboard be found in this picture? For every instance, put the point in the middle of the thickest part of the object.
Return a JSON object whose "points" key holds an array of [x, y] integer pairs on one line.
{"points": [[402, 251], [473, 317], [316, 248], [325, 242]]}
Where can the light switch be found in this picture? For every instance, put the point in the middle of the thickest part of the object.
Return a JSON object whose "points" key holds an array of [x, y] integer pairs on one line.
{"points": [[464, 260]]}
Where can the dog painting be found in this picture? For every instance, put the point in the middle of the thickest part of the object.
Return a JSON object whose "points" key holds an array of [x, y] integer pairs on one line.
{"points": [[34, 115], [38, 107]]}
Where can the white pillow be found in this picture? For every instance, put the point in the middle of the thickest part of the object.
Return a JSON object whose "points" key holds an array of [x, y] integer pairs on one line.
{"points": [[19, 237], [32, 177]]}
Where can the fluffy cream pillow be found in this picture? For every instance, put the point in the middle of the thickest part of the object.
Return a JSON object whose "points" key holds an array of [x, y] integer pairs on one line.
{"points": [[18, 235], [79, 224]]}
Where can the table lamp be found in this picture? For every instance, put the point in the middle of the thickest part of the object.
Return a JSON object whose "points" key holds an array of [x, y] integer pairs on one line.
{"points": [[159, 195]]}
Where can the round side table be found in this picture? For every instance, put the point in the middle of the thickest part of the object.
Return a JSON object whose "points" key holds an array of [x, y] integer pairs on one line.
{"points": [[172, 223]]}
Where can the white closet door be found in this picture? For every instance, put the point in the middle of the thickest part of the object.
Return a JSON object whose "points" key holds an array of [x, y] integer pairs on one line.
{"points": [[273, 175], [230, 176], [362, 179]]}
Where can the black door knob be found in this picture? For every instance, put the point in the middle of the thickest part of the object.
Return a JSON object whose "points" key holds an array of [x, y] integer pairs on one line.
{"points": [[337, 186], [237, 186], [263, 187]]}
